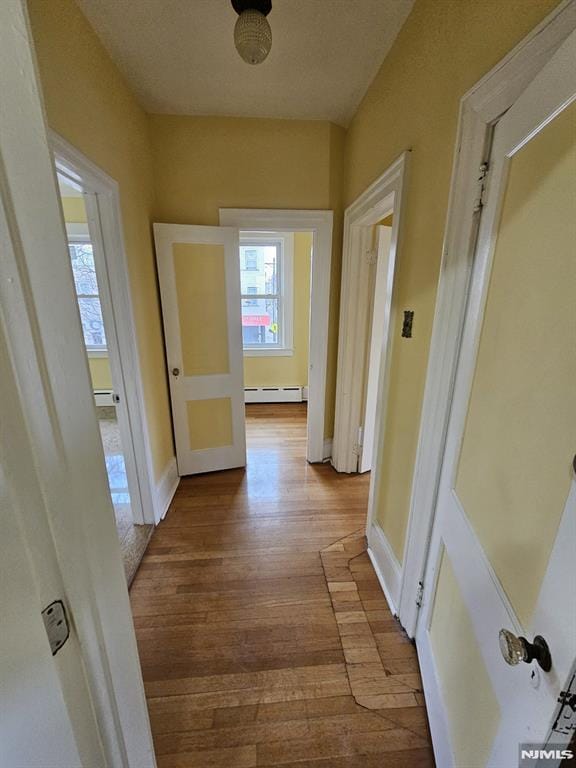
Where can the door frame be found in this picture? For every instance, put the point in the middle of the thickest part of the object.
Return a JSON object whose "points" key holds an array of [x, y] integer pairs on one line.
{"points": [[102, 200], [383, 196], [52, 384], [320, 224], [480, 108]]}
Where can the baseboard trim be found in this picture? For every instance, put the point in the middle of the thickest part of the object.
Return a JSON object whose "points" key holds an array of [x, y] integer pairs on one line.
{"points": [[388, 569], [273, 394], [165, 489], [327, 449]]}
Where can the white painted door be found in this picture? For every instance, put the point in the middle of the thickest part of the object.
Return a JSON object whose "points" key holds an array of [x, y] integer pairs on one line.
{"points": [[199, 271], [47, 718], [504, 536], [378, 342]]}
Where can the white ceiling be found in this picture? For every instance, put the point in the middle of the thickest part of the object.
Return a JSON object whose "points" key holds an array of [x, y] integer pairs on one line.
{"points": [[179, 55]]}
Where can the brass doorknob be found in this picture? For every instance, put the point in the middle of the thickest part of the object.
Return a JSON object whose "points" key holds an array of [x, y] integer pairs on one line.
{"points": [[175, 371], [515, 649]]}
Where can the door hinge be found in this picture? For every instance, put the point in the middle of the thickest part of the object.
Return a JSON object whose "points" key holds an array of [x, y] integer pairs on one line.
{"points": [[56, 625], [420, 594], [480, 199]]}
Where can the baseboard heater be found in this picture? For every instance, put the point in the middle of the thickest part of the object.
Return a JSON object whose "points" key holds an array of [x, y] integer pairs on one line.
{"points": [[275, 394], [104, 396]]}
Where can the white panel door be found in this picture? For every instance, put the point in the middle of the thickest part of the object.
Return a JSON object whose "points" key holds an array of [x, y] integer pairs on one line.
{"points": [[504, 536], [199, 272]]}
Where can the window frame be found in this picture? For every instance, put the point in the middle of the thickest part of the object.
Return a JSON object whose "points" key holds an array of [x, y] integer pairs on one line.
{"points": [[284, 295], [83, 238]]}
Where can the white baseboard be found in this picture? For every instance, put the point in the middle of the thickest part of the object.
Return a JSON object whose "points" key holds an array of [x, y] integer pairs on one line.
{"points": [[165, 489], [305, 393], [273, 395], [388, 569], [327, 452]]}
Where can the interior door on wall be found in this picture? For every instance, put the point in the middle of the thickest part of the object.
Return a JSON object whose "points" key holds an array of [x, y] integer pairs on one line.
{"points": [[199, 273], [504, 537]]}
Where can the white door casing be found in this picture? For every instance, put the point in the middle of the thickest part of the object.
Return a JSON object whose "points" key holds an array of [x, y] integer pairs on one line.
{"points": [[382, 197], [526, 696], [207, 395]]}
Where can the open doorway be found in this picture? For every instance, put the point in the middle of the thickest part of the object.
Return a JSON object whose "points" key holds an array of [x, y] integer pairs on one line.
{"points": [[84, 224], [289, 369], [275, 283], [381, 237], [98, 333]]}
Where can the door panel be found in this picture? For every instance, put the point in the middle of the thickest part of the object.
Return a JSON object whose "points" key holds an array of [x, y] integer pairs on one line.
{"points": [[524, 380], [506, 515], [199, 275]]}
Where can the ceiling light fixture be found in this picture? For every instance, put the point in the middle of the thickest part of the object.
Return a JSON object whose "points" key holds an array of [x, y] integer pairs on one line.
{"points": [[252, 33]]}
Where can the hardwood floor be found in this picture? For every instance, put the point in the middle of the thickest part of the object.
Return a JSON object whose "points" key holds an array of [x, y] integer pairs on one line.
{"points": [[264, 637]]}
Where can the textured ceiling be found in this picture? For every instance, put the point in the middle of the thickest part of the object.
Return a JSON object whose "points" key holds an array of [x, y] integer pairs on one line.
{"points": [[179, 55]]}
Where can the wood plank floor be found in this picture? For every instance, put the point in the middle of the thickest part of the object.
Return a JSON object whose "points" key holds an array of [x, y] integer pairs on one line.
{"points": [[264, 637]]}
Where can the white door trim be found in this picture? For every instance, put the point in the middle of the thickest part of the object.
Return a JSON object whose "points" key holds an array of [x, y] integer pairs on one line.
{"points": [[320, 223], [43, 332], [480, 108], [105, 223], [374, 204]]}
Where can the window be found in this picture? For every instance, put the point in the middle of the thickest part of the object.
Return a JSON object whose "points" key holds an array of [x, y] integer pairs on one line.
{"points": [[266, 284], [82, 258]]}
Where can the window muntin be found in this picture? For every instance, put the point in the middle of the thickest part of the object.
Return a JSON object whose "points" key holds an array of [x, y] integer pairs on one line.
{"points": [[86, 283]]}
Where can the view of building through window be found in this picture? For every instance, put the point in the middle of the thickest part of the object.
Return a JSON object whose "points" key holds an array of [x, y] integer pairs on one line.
{"points": [[261, 285], [82, 258]]}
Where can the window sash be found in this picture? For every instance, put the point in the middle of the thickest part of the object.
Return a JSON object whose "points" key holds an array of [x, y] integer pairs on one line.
{"points": [[277, 296], [85, 240]]}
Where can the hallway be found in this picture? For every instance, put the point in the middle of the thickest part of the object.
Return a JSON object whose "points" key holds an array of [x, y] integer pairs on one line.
{"points": [[263, 634]]}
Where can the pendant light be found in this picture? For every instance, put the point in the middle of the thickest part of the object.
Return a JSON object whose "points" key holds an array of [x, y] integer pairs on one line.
{"points": [[252, 33]]}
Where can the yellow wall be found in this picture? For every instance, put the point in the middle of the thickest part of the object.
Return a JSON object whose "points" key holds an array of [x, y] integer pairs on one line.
{"points": [[289, 371], [74, 210], [514, 473], [442, 50], [100, 372], [204, 163], [88, 103]]}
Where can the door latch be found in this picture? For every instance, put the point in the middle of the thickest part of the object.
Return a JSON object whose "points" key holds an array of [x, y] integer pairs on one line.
{"points": [[56, 625]]}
